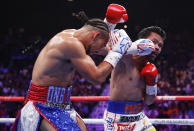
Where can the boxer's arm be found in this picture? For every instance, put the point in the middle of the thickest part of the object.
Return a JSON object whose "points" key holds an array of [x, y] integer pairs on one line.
{"points": [[84, 64], [74, 50], [87, 68], [150, 75], [97, 74], [71, 49]]}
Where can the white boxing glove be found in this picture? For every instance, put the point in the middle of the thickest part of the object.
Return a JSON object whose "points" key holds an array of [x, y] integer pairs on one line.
{"points": [[142, 47], [120, 42]]}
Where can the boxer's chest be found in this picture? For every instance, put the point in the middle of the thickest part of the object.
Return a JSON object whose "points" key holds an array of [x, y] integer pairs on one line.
{"points": [[128, 75]]}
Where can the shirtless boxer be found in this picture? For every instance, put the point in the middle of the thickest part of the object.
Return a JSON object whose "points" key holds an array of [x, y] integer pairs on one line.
{"points": [[47, 105], [132, 79]]}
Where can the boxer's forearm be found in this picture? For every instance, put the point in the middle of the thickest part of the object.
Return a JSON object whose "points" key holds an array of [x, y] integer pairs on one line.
{"points": [[87, 68], [100, 74], [149, 99]]}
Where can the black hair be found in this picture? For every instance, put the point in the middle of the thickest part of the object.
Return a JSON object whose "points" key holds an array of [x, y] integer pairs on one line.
{"points": [[144, 33], [94, 22]]}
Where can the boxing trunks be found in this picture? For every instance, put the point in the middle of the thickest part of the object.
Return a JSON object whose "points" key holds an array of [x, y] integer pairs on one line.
{"points": [[50, 103], [126, 116]]}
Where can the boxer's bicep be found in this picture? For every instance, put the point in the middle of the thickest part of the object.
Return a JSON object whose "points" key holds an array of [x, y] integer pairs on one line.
{"points": [[87, 68]]}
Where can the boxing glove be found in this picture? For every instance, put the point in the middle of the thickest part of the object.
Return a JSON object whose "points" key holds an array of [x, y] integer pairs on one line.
{"points": [[119, 43], [141, 47], [150, 75], [115, 14]]}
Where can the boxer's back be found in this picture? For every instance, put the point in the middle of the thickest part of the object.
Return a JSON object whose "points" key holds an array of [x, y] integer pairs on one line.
{"points": [[126, 84], [53, 67]]}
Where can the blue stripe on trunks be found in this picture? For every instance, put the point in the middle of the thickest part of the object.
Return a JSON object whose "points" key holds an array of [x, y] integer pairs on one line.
{"points": [[120, 107], [59, 117]]}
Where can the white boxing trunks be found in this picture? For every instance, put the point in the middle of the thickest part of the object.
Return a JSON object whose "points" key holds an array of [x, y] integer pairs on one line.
{"points": [[50, 103], [126, 116]]}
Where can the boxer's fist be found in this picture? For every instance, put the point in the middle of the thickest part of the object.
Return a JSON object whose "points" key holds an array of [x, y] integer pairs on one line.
{"points": [[142, 47], [150, 75], [120, 42], [115, 14]]}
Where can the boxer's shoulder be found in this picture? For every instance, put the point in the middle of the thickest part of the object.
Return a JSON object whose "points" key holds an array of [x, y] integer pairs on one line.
{"points": [[68, 45], [66, 39], [66, 36]]}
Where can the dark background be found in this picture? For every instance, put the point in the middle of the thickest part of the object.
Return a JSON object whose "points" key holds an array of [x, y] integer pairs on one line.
{"points": [[51, 16]]}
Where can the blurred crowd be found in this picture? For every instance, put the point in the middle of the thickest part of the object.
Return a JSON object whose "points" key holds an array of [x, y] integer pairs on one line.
{"points": [[19, 49]]}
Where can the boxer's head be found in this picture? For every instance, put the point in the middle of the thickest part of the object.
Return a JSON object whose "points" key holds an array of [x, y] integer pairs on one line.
{"points": [[157, 36], [99, 34], [96, 32]]}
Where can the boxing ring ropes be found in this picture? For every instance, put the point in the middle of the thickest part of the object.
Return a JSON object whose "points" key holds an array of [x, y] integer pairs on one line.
{"points": [[105, 98]]}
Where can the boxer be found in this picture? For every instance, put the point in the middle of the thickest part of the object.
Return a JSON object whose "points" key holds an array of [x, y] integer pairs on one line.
{"points": [[132, 80], [47, 105]]}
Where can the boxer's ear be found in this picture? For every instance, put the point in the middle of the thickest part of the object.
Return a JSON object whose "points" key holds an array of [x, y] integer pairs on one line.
{"points": [[96, 35]]}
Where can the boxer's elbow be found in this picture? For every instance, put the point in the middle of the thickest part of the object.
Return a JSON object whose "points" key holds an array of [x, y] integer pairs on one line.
{"points": [[97, 80]]}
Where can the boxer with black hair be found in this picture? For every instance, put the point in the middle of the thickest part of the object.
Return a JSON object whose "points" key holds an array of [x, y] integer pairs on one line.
{"points": [[132, 80]]}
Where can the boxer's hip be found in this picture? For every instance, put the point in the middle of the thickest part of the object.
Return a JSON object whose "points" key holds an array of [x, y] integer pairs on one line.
{"points": [[124, 111], [30, 116], [125, 116], [50, 102], [124, 108]]}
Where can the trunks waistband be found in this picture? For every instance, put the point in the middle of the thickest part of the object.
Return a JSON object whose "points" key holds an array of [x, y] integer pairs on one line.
{"points": [[132, 118], [125, 108], [49, 94]]}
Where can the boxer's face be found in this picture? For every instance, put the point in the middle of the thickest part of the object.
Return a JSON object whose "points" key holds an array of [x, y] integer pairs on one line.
{"points": [[98, 44], [158, 42]]}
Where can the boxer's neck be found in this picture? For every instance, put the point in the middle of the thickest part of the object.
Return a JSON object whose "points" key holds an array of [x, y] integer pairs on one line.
{"points": [[84, 36]]}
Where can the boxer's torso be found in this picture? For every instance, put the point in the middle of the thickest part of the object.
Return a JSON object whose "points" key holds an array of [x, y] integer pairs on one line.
{"points": [[53, 67], [126, 83]]}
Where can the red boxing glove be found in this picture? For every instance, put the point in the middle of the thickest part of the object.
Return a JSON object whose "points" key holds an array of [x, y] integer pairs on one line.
{"points": [[115, 14], [150, 74]]}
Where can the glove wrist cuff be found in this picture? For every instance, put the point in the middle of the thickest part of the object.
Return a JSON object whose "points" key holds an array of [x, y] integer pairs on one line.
{"points": [[151, 90], [110, 25], [113, 58]]}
